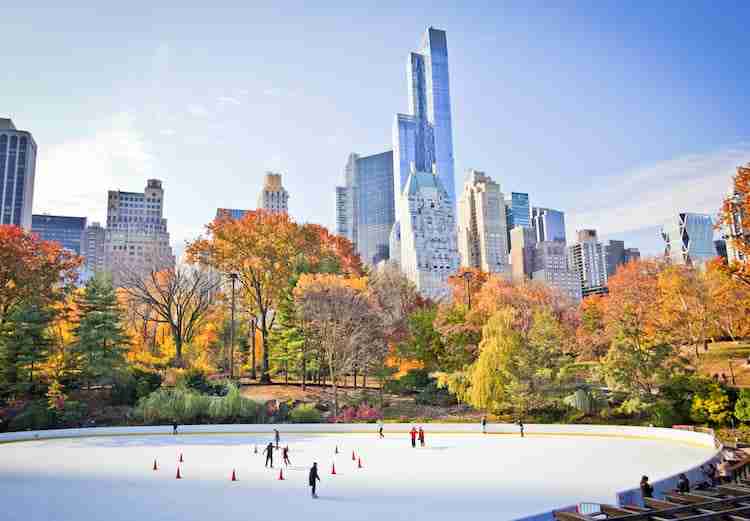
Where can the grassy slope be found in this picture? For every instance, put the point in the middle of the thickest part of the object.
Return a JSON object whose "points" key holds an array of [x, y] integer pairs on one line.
{"points": [[721, 355]]}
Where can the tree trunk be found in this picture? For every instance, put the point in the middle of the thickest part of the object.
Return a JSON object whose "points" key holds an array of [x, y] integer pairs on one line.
{"points": [[364, 380], [355, 377], [335, 396], [304, 369], [265, 374]]}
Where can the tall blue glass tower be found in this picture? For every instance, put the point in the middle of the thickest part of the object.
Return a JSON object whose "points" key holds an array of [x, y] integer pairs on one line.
{"points": [[424, 137]]}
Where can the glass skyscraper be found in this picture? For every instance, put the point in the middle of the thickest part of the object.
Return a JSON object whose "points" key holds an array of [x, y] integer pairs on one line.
{"points": [[68, 231], [365, 205], [517, 212], [17, 170], [689, 239], [549, 224], [424, 137]]}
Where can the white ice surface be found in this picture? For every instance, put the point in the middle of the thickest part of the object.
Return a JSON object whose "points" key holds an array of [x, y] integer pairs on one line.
{"points": [[493, 477]]}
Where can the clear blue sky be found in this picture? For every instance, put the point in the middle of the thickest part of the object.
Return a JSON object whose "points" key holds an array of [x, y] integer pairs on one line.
{"points": [[619, 113]]}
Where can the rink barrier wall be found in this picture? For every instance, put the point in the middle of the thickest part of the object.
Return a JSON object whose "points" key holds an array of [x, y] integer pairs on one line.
{"points": [[613, 431]]}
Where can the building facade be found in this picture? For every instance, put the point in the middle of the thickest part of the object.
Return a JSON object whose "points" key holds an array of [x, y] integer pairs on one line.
{"points": [[517, 212], [17, 173], [429, 253], [587, 259], [365, 205], [230, 213], [551, 266], [67, 231], [93, 248], [523, 242], [616, 255], [136, 237], [689, 239], [548, 224], [481, 226], [273, 197]]}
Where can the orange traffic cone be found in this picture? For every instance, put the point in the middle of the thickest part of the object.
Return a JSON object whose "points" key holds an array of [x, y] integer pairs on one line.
{"points": [[333, 469], [155, 467], [234, 476], [359, 463], [281, 475], [181, 460], [178, 476], [353, 457]]}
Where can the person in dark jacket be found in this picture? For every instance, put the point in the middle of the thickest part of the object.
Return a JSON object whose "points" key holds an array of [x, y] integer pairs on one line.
{"points": [[646, 489], [174, 427], [683, 484], [484, 425], [277, 437], [520, 426], [314, 478], [413, 433], [285, 454], [421, 437], [269, 454]]}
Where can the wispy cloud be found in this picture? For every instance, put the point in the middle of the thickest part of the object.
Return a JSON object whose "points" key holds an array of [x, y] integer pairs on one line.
{"points": [[652, 194], [278, 92], [228, 100], [197, 110], [73, 177]]}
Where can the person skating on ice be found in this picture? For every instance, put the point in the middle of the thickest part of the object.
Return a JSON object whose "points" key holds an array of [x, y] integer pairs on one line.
{"points": [[174, 427], [421, 437], [277, 437], [314, 478], [285, 454], [520, 426], [268, 451], [380, 429], [484, 425], [413, 433]]}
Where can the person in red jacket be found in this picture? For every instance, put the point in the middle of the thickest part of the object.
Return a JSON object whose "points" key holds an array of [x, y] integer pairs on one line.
{"points": [[421, 437], [413, 437]]}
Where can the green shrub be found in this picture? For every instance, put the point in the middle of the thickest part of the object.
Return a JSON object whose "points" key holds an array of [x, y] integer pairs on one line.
{"points": [[664, 414], [305, 413], [433, 395], [133, 384], [187, 406], [413, 381], [35, 416]]}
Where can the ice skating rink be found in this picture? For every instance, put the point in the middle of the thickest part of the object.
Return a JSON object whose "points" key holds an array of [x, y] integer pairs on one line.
{"points": [[456, 475]]}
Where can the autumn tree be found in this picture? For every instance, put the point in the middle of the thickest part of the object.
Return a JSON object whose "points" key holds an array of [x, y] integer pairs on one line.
{"points": [[32, 269], [591, 336], [338, 313], [730, 299], [179, 297], [735, 217]]}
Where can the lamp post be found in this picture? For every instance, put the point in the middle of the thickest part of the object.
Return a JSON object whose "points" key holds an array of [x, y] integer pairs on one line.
{"points": [[233, 277], [467, 275]]}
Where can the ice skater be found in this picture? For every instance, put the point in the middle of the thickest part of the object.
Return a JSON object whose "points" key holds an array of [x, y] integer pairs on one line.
{"points": [[314, 478], [269, 454], [421, 437], [413, 433], [520, 426], [380, 429], [277, 437], [484, 425], [174, 427], [285, 454]]}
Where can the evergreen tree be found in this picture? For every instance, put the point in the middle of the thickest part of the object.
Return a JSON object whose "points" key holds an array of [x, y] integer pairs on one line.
{"points": [[287, 341], [24, 346], [99, 336]]}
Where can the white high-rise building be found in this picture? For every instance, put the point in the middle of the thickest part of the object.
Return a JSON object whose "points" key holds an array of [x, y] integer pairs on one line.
{"points": [[482, 233], [551, 266], [429, 254], [689, 239], [17, 172], [587, 259], [273, 197], [136, 239]]}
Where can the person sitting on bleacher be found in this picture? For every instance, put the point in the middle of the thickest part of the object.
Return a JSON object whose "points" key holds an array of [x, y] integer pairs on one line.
{"points": [[683, 484], [646, 489]]}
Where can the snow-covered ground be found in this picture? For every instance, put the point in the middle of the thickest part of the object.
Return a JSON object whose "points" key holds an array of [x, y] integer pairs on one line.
{"points": [[494, 477]]}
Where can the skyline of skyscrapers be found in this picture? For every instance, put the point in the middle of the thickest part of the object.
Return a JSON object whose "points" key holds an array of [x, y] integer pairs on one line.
{"points": [[17, 173], [481, 224], [617, 255]]}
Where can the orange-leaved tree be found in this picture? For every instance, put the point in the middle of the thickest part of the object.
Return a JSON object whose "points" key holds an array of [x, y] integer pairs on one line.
{"points": [[734, 216], [265, 250], [32, 268]]}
